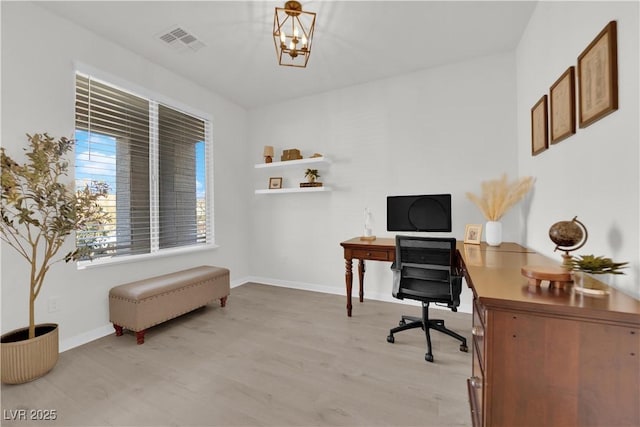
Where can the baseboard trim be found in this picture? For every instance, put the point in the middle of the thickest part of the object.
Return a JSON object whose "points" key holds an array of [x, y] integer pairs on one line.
{"points": [[86, 337], [377, 296]]}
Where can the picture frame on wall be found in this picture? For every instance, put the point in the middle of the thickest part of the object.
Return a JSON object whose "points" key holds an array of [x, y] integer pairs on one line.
{"points": [[472, 233], [598, 77], [275, 183], [562, 106], [539, 127]]}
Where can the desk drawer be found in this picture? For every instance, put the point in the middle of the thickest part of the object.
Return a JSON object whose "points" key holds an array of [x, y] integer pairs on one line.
{"points": [[372, 254]]}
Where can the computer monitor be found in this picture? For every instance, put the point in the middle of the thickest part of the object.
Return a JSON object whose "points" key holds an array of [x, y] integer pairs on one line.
{"points": [[427, 212]]}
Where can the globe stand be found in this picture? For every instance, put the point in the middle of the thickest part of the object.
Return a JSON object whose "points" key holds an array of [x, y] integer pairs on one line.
{"points": [[568, 236]]}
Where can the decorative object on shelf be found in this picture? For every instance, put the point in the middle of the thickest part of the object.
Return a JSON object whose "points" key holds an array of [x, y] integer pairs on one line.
{"points": [[314, 155], [472, 233], [368, 226], [275, 183], [568, 236], [39, 210], [584, 266], [291, 154], [293, 34], [539, 127], [310, 184], [598, 77], [311, 175], [268, 153], [562, 102], [497, 197]]}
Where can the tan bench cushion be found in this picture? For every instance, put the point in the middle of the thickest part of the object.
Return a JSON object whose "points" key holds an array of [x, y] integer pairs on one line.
{"points": [[144, 303]]}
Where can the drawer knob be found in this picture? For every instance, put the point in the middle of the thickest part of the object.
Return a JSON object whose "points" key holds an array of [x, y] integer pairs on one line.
{"points": [[475, 382], [477, 331]]}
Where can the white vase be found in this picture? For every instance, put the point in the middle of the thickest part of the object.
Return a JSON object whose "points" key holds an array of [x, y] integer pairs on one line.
{"points": [[493, 233]]}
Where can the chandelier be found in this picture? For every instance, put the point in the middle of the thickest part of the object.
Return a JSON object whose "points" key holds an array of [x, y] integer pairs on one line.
{"points": [[292, 34]]}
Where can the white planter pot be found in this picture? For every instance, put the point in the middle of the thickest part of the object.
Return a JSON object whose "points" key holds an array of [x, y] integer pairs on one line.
{"points": [[493, 233]]}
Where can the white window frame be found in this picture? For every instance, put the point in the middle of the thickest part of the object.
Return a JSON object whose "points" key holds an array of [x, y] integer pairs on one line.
{"points": [[155, 99]]}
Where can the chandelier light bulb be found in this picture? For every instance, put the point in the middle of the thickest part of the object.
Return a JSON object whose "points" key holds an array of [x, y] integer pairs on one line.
{"points": [[295, 32], [292, 45], [283, 36], [304, 41]]}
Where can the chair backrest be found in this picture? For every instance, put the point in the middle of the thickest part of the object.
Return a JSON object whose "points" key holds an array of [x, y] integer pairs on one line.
{"points": [[425, 270]]}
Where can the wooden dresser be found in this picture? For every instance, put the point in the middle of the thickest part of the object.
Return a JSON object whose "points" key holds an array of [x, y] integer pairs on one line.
{"points": [[548, 357]]}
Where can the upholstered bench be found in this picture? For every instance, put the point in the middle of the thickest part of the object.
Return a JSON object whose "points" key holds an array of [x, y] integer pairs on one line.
{"points": [[139, 305]]}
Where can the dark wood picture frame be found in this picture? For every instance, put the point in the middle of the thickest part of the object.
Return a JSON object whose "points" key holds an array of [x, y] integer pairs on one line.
{"points": [[539, 127], [598, 77], [562, 106], [275, 183]]}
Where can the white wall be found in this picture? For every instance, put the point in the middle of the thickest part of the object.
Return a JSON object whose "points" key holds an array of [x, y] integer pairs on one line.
{"points": [[594, 173], [38, 54], [441, 130]]}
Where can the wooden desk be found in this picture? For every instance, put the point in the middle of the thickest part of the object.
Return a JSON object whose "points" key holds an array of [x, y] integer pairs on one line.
{"points": [[384, 249], [547, 356], [381, 249], [541, 356]]}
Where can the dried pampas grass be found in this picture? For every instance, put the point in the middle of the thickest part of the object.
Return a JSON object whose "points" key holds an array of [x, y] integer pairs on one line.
{"points": [[499, 195]]}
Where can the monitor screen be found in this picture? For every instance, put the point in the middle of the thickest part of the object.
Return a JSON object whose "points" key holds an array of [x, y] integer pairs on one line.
{"points": [[428, 212]]}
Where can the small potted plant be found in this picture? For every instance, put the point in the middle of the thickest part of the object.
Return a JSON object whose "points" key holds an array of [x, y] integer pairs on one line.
{"points": [[312, 175], [38, 211], [584, 265]]}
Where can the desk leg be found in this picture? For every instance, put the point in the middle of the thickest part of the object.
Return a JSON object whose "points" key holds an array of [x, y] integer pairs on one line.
{"points": [[349, 282], [361, 278]]}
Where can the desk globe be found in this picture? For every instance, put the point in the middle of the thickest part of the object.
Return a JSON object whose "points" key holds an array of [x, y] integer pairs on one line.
{"points": [[568, 236]]}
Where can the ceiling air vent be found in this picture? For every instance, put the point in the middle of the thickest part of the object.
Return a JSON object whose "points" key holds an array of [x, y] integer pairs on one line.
{"points": [[180, 39]]}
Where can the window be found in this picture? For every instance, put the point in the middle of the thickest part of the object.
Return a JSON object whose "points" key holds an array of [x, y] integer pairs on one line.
{"points": [[153, 157]]}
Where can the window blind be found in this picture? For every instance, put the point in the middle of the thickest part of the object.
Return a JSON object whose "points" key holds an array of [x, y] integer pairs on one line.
{"points": [[153, 158], [180, 191]]}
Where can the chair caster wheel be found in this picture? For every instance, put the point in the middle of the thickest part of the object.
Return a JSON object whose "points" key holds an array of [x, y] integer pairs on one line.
{"points": [[391, 339], [428, 357], [464, 348], [402, 322]]}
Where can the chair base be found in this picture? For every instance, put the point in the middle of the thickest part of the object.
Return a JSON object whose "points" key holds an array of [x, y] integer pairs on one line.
{"points": [[411, 322]]}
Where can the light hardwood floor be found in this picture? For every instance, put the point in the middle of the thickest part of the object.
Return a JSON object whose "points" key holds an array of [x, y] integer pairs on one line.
{"points": [[271, 357]]}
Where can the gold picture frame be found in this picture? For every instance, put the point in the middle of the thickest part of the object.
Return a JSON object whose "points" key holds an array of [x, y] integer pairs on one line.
{"points": [[598, 77], [473, 233], [275, 183], [539, 127], [562, 106]]}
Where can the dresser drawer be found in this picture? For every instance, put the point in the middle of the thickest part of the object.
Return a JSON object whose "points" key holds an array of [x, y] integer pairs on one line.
{"points": [[478, 331], [475, 386], [372, 254]]}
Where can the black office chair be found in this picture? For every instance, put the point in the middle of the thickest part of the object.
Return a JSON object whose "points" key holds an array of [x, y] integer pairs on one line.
{"points": [[425, 270]]}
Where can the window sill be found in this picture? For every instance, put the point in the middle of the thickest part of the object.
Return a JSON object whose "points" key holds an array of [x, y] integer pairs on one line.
{"points": [[103, 262]]}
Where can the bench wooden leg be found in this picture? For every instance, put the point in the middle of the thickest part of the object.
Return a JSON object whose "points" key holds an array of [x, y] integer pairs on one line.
{"points": [[118, 329], [223, 301], [140, 336]]}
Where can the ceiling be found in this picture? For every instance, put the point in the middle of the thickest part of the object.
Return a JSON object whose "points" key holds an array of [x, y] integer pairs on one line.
{"points": [[355, 41]]}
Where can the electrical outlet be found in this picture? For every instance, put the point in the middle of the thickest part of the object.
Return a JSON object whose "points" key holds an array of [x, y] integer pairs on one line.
{"points": [[54, 304]]}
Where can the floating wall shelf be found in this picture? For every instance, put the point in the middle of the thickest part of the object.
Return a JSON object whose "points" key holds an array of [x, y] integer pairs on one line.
{"points": [[293, 163], [293, 190], [311, 161]]}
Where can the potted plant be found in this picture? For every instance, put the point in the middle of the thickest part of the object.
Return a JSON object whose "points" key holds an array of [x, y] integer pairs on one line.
{"points": [[38, 211], [585, 265], [311, 175]]}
